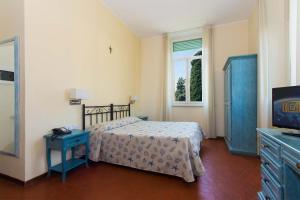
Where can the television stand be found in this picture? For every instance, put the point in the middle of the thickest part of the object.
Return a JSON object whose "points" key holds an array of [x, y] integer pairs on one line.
{"points": [[291, 132]]}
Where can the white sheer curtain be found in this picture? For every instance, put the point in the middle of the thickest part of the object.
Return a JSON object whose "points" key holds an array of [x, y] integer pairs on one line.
{"points": [[167, 100], [263, 67], [294, 41], [208, 83]]}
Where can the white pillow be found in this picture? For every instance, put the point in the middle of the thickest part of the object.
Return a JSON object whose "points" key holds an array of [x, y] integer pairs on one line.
{"points": [[128, 120], [105, 126]]}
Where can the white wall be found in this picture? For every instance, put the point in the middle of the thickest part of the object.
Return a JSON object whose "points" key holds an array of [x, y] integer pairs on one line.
{"points": [[12, 24], [228, 40], [67, 46]]}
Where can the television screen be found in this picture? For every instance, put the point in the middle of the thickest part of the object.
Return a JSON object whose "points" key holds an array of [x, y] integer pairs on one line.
{"points": [[286, 107]]}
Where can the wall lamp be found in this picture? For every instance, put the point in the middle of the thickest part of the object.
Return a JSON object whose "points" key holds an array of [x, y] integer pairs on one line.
{"points": [[76, 95], [133, 99]]}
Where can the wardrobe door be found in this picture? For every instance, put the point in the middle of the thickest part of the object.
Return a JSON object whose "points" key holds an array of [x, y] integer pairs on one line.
{"points": [[244, 105]]}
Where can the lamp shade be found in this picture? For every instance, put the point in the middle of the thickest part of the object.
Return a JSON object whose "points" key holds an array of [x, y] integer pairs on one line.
{"points": [[78, 94]]}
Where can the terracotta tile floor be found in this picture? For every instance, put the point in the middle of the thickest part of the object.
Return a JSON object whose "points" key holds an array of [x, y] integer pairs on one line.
{"points": [[227, 177]]}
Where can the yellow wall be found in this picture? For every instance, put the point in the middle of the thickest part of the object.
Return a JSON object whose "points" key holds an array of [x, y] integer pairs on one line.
{"points": [[12, 24], [253, 31], [228, 40], [153, 62], [67, 47]]}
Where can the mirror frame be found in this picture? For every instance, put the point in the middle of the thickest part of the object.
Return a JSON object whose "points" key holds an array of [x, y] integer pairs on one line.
{"points": [[16, 42]]}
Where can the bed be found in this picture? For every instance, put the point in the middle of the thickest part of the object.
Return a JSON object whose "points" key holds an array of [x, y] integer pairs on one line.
{"points": [[165, 147]]}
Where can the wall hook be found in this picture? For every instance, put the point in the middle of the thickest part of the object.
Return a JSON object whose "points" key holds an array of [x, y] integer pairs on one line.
{"points": [[110, 49]]}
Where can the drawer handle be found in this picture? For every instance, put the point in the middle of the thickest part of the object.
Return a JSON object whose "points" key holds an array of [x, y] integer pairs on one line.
{"points": [[264, 146]]}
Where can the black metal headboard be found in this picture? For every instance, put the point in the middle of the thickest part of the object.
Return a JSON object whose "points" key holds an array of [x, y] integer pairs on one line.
{"points": [[97, 114]]}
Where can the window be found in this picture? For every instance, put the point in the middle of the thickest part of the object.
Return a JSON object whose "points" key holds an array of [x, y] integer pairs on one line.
{"points": [[187, 72]]}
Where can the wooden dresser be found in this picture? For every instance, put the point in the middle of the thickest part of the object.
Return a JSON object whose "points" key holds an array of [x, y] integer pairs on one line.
{"points": [[241, 104], [280, 165]]}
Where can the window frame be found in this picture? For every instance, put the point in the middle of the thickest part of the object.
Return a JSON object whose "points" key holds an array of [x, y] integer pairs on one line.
{"points": [[188, 59]]}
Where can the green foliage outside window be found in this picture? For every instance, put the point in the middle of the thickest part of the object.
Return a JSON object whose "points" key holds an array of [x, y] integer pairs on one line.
{"points": [[195, 82], [180, 90]]}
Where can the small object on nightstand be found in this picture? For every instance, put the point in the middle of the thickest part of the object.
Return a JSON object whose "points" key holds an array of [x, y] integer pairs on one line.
{"points": [[64, 143], [145, 118]]}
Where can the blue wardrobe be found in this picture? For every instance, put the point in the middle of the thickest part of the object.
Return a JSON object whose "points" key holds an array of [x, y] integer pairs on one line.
{"points": [[241, 104]]}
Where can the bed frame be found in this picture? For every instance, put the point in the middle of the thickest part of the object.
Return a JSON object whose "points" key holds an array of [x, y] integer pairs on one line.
{"points": [[97, 114]]}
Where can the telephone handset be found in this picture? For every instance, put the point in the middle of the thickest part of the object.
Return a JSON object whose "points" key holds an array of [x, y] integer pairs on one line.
{"points": [[60, 132]]}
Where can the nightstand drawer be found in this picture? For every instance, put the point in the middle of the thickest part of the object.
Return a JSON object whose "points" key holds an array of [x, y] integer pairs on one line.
{"points": [[271, 165], [292, 158], [76, 141], [54, 144], [271, 147], [275, 189]]}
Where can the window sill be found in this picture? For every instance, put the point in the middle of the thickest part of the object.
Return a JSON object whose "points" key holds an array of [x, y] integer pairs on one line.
{"points": [[187, 105]]}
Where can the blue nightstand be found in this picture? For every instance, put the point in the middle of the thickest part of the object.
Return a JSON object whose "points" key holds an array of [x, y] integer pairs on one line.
{"points": [[63, 144]]}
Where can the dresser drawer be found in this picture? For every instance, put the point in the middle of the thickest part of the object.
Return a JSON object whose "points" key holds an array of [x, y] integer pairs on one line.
{"points": [[270, 186], [266, 192], [273, 167], [76, 141], [271, 147], [292, 158]]}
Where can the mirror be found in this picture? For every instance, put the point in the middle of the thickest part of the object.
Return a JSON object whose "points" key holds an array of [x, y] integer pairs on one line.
{"points": [[9, 97]]}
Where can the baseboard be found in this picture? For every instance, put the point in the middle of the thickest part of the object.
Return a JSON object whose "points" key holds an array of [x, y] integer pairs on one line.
{"points": [[220, 137], [216, 138], [12, 179], [35, 180], [23, 183]]}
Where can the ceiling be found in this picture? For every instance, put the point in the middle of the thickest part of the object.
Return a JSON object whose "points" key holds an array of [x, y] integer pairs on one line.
{"points": [[153, 17]]}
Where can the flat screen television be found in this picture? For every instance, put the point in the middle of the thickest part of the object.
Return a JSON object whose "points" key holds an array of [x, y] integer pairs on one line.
{"points": [[286, 107]]}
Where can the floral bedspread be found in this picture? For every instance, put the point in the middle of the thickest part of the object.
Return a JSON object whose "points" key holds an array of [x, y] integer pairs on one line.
{"points": [[164, 147]]}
